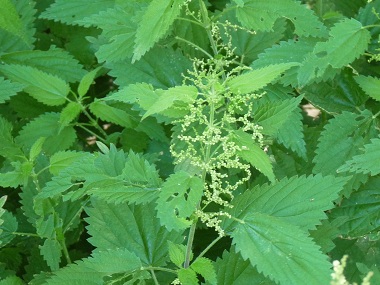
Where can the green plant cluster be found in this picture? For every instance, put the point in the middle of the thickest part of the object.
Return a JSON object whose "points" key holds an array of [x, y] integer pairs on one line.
{"points": [[172, 142]]}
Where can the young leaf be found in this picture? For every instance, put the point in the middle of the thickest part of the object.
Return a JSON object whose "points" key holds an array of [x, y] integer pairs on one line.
{"points": [[178, 200], [280, 250], [86, 81], [177, 253], [69, 113], [8, 89], [134, 228], [258, 78], [266, 12], [36, 148], [46, 88], [92, 270], [155, 23], [187, 276], [370, 85], [205, 267], [252, 153]]}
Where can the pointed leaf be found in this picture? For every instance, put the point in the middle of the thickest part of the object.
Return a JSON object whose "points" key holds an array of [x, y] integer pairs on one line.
{"points": [[177, 253], [44, 87], [8, 89], [155, 23], [51, 252], [253, 154], [205, 267], [62, 159], [258, 78], [187, 276], [370, 85], [69, 113], [294, 257], [86, 81], [178, 200]]}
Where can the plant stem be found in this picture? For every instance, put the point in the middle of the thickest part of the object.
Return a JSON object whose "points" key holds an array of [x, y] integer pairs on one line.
{"points": [[195, 46], [190, 244], [65, 251], [149, 268], [209, 246], [154, 277]]}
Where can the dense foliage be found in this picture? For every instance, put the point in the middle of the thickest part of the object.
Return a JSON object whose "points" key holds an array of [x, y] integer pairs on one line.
{"points": [[170, 142]]}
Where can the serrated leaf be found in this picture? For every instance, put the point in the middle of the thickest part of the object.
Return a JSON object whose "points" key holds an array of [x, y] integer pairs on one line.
{"points": [[367, 162], [8, 148], [134, 228], [112, 114], [262, 14], [12, 280], [258, 78], [347, 41], [63, 159], [360, 210], [178, 200], [8, 89], [370, 85], [294, 257], [300, 201], [187, 276], [69, 113], [36, 148], [51, 252], [340, 139], [205, 267], [7, 228], [86, 81], [271, 115], [177, 253], [47, 125], [44, 87], [252, 153], [92, 270], [155, 23], [166, 99], [72, 11], [55, 61]]}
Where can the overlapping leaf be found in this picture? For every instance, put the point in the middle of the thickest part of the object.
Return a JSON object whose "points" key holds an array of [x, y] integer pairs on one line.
{"points": [[8, 89], [370, 85]]}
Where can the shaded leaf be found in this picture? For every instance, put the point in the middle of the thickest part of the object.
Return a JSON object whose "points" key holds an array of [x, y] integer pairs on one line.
{"points": [[8, 89]]}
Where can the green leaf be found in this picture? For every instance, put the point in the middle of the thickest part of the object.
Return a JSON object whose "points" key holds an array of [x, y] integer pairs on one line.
{"points": [[69, 113], [63, 159], [134, 228], [370, 85], [92, 270], [360, 210], [347, 41], [262, 14], [178, 200], [258, 78], [46, 88], [177, 253], [8, 89], [86, 81], [155, 23], [367, 162], [8, 148], [205, 267], [166, 99], [47, 125], [36, 148], [187, 276], [55, 61], [12, 280], [340, 139], [261, 236], [7, 228], [72, 11], [252, 153], [51, 252]]}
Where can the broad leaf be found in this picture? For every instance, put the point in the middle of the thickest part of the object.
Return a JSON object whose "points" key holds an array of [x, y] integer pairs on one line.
{"points": [[178, 200], [155, 23], [370, 85], [63, 159], [44, 87], [51, 251], [258, 78], [8, 226], [8, 89], [135, 229], [252, 153], [205, 267], [294, 257], [177, 253]]}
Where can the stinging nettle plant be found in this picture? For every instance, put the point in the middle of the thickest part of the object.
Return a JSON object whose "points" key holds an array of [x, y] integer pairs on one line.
{"points": [[164, 142]]}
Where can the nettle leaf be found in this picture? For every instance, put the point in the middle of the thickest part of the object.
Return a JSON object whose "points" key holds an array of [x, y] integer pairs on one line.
{"points": [[44, 87], [92, 270], [178, 199], [252, 153], [167, 98], [341, 139], [300, 201], [152, 68], [294, 257], [205, 267], [12, 280], [134, 228], [72, 11], [370, 85], [7, 228], [86, 81], [177, 253], [11, 22], [47, 125], [187, 276], [8, 89], [51, 252], [348, 40], [262, 14], [63, 159], [360, 211], [54, 61], [258, 78], [69, 113], [367, 162], [8, 148], [231, 268], [155, 23]]}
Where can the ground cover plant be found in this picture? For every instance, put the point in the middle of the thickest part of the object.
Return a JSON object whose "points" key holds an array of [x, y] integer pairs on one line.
{"points": [[171, 142]]}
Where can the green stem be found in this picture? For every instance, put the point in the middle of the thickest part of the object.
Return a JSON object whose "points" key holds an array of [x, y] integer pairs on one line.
{"points": [[154, 268], [190, 244], [154, 277], [208, 247], [195, 46], [25, 234], [65, 251], [91, 132]]}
